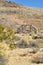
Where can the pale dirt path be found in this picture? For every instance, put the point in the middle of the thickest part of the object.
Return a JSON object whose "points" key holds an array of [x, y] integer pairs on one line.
{"points": [[15, 59]]}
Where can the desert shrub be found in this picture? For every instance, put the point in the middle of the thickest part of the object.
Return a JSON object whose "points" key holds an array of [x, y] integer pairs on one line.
{"points": [[10, 31], [1, 32], [12, 45], [3, 53], [3, 36], [7, 33], [33, 35], [1, 29], [26, 39], [16, 38], [24, 43], [10, 34]]}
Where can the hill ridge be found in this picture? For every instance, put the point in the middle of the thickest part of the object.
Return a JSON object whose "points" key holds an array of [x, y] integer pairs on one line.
{"points": [[12, 14]]}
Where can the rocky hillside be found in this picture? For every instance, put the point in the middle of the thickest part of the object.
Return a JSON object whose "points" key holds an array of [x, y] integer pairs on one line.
{"points": [[17, 48], [13, 15]]}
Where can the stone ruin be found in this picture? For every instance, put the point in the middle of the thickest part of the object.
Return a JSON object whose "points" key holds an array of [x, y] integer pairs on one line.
{"points": [[26, 28]]}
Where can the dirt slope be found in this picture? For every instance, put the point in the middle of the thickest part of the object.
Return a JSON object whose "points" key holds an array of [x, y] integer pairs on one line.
{"points": [[13, 15]]}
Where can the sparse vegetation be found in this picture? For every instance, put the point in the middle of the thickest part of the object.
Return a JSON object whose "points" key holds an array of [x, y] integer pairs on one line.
{"points": [[12, 45], [4, 51], [20, 40], [26, 39]]}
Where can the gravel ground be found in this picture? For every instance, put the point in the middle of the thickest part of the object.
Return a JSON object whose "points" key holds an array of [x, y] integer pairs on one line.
{"points": [[16, 59]]}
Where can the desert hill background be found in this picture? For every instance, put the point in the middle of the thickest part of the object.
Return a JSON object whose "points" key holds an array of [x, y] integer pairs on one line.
{"points": [[21, 34], [12, 14]]}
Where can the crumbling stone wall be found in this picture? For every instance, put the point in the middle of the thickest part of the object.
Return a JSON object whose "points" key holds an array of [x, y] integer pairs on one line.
{"points": [[26, 28]]}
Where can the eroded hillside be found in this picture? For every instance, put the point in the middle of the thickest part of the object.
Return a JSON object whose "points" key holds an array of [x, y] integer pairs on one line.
{"points": [[12, 14]]}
